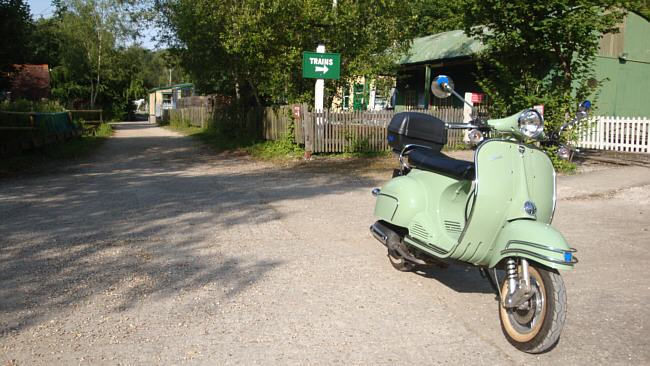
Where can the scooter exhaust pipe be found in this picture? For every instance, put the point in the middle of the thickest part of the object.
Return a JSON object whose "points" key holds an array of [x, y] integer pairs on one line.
{"points": [[391, 240], [379, 234]]}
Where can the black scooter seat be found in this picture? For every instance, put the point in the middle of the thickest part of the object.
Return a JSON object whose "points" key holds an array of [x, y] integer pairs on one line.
{"points": [[436, 162]]}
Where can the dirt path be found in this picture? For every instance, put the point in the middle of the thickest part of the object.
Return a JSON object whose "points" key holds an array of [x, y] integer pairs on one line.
{"points": [[159, 252]]}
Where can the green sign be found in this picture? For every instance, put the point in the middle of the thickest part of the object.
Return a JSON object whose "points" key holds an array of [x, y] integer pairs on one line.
{"points": [[321, 65]]}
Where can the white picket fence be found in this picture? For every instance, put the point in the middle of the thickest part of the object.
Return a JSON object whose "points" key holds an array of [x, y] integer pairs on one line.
{"points": [[617, 133]]}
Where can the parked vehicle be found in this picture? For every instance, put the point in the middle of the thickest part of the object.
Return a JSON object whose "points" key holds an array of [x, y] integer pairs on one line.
{"points": [[493, 213]]}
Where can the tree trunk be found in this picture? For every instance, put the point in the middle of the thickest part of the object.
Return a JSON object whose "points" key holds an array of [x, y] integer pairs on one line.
{"points": [[255, 94], [93, 98]]}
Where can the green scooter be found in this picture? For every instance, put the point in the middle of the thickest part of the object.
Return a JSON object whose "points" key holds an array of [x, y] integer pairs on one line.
{"points": [[494, 213]]}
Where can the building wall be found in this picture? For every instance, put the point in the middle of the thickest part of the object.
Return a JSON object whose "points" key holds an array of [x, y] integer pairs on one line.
{"points": [[626, 75]]}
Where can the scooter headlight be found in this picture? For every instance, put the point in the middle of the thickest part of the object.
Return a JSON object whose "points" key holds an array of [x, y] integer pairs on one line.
{"points": [[531, 123]]}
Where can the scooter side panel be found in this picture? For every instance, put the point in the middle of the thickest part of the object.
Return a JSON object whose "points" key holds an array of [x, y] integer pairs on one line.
{"points": [[445, 202], [433, 222], [400, 200]]}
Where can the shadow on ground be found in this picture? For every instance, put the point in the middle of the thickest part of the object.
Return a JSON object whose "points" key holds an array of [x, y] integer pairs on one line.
{"points": [[152, 217], [148, 217], [458, 277]]}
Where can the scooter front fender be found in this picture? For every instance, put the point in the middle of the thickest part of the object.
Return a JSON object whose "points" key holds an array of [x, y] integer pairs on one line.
{"points": [[536, 241]]}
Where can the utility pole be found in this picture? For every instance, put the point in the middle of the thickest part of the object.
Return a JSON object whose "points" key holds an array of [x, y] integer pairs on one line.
{"points": [[170, 76], [319, 92]]}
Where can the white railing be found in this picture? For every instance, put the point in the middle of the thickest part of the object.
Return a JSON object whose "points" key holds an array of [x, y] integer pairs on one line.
{"points": [[617, 133]]}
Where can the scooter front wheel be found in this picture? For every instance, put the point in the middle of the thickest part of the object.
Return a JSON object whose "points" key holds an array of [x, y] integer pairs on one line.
{"points": [[535, 326]]}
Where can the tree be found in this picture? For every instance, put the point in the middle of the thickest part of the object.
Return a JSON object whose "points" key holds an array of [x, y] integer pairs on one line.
{"points": [[252, 49], [435, 16], [540, 52], [96, 26], [15, 28]]}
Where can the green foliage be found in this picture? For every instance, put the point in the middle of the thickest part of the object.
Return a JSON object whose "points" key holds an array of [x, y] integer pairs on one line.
{"points": [[540, 52], [435, 16], [283, 148], [23, 105], [640, 6], [357, 145], [275, 150], [253, 50], [179, 123], [52, 156], [104, 130], [228, 133], [561, 165], [85, 46], [15, 31]]}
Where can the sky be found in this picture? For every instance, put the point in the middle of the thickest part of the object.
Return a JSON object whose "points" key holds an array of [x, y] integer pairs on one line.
{"points": [[44, 8]]}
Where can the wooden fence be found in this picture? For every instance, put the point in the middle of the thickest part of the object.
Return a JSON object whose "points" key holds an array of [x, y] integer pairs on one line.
{"points": [[276, 122], [195, 116], [91, 119], [320, 132], [21, 131], [618, 134], [363, 130], [328, 131]]}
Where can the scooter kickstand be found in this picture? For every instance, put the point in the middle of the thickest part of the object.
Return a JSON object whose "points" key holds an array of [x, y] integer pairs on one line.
{"points": [[486, 274]]}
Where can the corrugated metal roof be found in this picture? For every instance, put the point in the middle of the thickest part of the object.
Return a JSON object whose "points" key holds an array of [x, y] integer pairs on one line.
{"points": [[173, 86], [446, 45]]}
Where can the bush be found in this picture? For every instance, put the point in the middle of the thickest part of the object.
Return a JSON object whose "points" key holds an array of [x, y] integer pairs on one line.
{"points": [[23, 105]]}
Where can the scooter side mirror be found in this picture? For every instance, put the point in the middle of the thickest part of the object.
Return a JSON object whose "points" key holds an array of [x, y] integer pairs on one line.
{"points": [[583, 110], [442, 86]]}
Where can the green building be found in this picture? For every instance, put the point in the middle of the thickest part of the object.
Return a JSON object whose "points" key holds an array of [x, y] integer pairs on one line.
{"points": [[623, 62]]}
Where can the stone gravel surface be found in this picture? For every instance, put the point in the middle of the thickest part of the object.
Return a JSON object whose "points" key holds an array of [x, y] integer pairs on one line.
{"points": [[157, 251]]}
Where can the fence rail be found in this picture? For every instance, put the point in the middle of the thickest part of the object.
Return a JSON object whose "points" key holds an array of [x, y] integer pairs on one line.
{"points": [[195, 116], [25, 131], [328, 131], [617, 134], [320, 132], [364, 130]]}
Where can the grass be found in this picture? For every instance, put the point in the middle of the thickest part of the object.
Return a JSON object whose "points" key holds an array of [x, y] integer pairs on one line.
{"points": [[220, 141], [282, 150], [55, 154]]}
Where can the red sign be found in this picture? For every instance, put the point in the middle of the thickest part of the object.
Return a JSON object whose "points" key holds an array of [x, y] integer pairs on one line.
{"points": [[477, 98], [540, 109], [296, 111]]}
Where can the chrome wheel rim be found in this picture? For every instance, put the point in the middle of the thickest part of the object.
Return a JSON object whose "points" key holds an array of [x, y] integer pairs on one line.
{"points": [[526, 317]]}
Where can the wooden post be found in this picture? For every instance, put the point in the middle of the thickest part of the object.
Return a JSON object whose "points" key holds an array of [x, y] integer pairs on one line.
{"points": [[308, 131], [427, 86]]}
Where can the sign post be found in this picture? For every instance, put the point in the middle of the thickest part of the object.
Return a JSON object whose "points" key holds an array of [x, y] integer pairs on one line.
{"points": [[319, 93], [321, 65]]}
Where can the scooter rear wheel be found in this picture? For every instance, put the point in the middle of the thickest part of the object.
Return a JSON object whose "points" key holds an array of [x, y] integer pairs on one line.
{"points": [[535, 326]]}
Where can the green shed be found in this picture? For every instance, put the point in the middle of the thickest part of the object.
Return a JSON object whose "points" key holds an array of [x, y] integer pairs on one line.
{"points": [[623, 64]]}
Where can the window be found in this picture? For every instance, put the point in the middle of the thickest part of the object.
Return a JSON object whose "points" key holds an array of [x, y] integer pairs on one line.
{"points": [[167, 100]]}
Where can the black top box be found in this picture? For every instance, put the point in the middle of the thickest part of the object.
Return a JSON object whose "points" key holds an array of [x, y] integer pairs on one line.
{"points": [[416, 128]]}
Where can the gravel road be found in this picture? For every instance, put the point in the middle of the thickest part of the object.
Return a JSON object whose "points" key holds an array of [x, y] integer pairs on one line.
{"points": [[158, 251]]}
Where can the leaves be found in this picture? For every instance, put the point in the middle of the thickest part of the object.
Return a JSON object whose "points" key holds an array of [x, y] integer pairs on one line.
{"points": [[253, 49], [539, 52]]}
